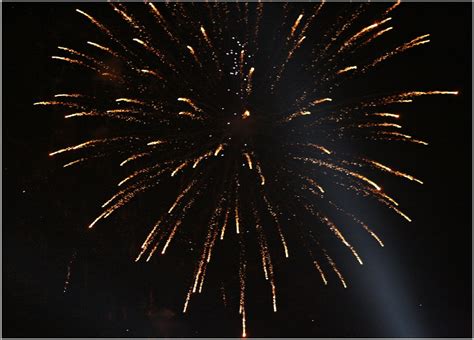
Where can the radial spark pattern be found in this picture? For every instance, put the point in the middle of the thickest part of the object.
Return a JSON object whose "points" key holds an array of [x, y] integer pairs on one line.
{"points": [[244, 113]]}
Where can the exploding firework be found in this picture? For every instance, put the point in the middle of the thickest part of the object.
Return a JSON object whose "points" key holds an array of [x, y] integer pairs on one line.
{"points": [[242, 113]]}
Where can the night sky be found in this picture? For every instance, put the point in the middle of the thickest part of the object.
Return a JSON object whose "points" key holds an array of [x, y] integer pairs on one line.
{"points": [[418, 285]]}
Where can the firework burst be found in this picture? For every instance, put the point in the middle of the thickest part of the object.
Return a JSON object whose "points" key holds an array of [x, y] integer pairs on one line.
{"points": [[226, 104]]}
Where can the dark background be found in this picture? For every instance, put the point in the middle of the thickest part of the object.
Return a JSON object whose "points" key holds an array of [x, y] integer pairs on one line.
{"points": [[419, 285]]}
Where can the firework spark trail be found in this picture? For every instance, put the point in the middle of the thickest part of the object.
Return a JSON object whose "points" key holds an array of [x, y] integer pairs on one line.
{"points": [[374, 36], [257, 23], [395, 136], [97, 63], [77, 62], [364, 225], [260, 173], [369, 125], [107, 114], [147, 46], [382, 114], [319, 147], [190, 103], [321, 54], [391, 8], [266, 258], [361, 33], [319, 101], [249, 160], [296, 115], [314, 184], [58, 103], [159, 18], [108, 33], [226, 218], [134, 157], [412, 43], [335, 269], [215, 58], [277, 223], [170, 237], [242, 278], [288, 58], [236, 215], [249, 81], [295, 26], [200, 272], [335, 230], [67, 281], [393, 172], [340, 169], [194, 55], [311, 19], [105, 49], [149, 239], [181, 195], [90, 143], [346, 69], [77, 161], [68, 95]]}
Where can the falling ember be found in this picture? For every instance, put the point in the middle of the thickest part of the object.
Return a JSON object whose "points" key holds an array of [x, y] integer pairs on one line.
{"points": [[246, 114]]}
